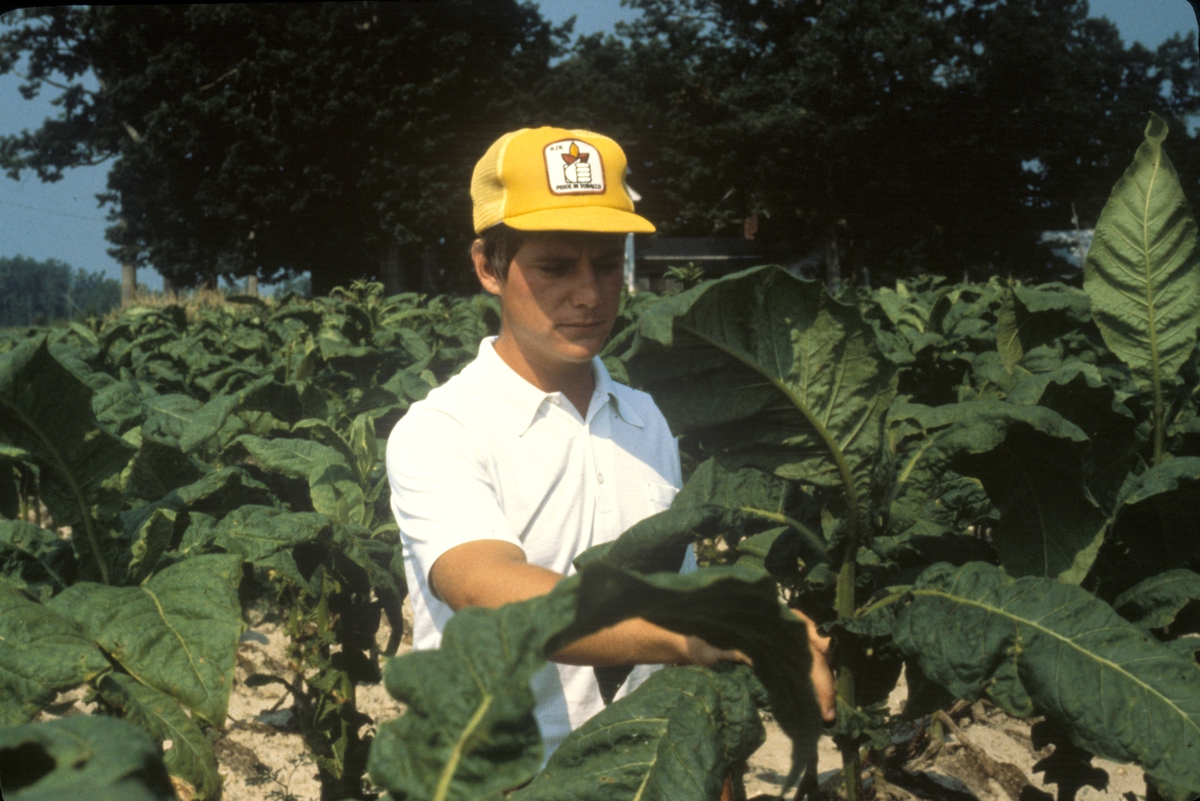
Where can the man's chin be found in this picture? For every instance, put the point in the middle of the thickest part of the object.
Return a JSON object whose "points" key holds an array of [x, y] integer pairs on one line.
{"points": [[580, 346], [577, 353], [585, 334]]}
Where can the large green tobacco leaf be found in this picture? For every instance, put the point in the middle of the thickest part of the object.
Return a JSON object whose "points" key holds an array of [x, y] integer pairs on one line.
{"points": [[168, 417], [150, 542], [735, 607], [469, 730], [320, 431], [1008, 332], [1039, 646], [118, 405], [1029, 317], [187, 751], [332, 482], [284, 401], [1154, 526], [158, 469], [1143, 270], [97, 758], [1155, 602], [42, 653], [215, 494], [734, 503], [632, 748], [1029, 460], [656, 543], [262, 535], [749, 501], [178, 632], [770, 368], [35, 559], [259, 532], [47, 411], [922, 502], [1079, 393]]}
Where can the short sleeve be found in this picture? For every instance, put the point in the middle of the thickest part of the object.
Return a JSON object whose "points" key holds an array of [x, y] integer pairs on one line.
{"points": [[443, 488]]}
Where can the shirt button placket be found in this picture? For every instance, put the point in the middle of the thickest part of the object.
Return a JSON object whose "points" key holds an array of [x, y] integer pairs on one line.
{"points": [[606, 478]]}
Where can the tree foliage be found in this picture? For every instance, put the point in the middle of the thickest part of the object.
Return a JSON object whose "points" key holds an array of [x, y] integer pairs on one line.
{"points": [[249, 139], [40, 292], [899, 135], [889, 136]]}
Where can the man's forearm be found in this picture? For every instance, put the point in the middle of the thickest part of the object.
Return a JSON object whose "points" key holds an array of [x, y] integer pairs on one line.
{"points": [[511, 579], [630, 642], [492, 573]]}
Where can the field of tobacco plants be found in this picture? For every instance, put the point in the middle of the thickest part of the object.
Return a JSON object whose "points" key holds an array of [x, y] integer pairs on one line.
{"points": [[994, 487]]}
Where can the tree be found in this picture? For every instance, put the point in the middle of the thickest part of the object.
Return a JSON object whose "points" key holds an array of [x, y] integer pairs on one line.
{"points": [[256, 139], [43, 292], [899, 135]]}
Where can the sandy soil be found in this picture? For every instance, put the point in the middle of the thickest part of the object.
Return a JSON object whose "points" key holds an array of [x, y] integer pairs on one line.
{"points": [[990, 756], [986, 755]]}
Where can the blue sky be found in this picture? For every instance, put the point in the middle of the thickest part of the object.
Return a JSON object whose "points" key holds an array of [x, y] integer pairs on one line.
{"points": [[62, 220]]}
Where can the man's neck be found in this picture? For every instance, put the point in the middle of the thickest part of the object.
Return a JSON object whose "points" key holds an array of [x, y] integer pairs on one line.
{"points": [[577, 381]]}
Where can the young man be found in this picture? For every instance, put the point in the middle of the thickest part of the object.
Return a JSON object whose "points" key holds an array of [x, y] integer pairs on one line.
{"points": [[532, 454]]}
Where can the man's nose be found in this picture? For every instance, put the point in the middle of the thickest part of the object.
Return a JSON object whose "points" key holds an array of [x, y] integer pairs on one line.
{"points": [[586, 288]]}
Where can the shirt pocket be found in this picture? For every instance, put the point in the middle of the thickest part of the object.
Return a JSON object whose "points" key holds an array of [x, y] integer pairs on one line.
{"points": [[660, 495]]}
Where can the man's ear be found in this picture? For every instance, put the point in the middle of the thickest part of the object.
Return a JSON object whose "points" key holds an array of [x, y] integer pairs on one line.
{"points": [[484, 269]]}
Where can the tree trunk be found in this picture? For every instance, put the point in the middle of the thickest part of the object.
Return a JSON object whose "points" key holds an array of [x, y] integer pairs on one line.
{"points": [[389, 269], [833, 260], [252, 286], [128, 283], [429, 271]]}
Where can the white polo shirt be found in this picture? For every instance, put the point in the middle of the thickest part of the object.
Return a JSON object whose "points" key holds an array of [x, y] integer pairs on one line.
{"points": [[489, 456]]}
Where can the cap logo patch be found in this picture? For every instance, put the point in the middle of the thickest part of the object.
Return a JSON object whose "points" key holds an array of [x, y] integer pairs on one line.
{"points": [[574, 167]]}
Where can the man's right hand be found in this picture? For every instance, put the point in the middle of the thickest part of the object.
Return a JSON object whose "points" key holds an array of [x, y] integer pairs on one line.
{"points": [[701, 653]]}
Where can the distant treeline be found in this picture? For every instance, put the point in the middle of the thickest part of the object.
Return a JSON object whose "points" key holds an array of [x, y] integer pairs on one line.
{"points": [[42, 292]]}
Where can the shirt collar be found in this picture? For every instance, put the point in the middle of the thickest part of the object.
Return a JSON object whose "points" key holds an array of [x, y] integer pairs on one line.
{"points": [[607, 388], [524, 400]]}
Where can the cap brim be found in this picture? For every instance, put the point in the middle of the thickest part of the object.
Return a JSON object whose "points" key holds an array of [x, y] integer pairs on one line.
{"points": [[598, 219]]}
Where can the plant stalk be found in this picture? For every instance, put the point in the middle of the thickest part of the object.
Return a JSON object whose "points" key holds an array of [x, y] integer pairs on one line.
{"points": [[1159, 423], [848, 650]]}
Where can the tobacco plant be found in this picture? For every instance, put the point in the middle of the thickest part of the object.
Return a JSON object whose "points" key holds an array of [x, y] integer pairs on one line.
{"points": [[962, 481], [197, 462], [991, 487]]}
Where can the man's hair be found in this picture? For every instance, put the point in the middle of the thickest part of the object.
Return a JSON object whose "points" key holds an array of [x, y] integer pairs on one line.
{"points": [[499, 244]]}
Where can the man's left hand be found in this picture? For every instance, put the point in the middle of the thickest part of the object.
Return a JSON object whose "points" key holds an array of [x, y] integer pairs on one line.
{"points": [[822, 669]]}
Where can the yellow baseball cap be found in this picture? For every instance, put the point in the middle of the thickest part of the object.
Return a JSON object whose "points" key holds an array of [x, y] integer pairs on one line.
{"points": [[552, 179]]}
